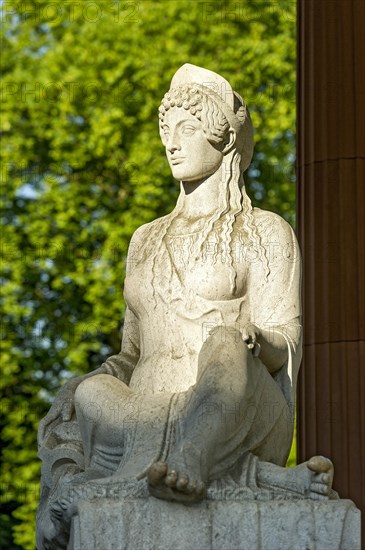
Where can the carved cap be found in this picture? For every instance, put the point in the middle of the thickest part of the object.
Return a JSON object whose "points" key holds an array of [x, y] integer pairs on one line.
{"points": [[231, 103], [192, 74]]}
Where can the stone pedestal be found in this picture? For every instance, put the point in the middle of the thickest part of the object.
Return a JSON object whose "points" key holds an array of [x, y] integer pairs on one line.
{"points": [[152, 524]]}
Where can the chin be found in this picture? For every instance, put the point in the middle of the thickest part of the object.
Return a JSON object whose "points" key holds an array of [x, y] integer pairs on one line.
{"points": [[182, 175], [188, 176]]}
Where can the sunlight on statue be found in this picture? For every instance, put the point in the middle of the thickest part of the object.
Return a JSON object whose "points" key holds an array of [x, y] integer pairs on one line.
{"points": [[201, 397]]}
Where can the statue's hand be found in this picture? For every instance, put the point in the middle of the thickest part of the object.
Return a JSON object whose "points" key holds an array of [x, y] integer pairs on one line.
{"points": [[63, 509], [250, 334], [62, 408], [53, 527]]}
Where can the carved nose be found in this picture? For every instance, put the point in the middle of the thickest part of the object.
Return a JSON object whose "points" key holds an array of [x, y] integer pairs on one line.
{"points": [[172, 146]]}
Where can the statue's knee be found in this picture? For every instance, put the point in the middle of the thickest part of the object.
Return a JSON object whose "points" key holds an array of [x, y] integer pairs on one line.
{"points": [[222, 337], [224, 361], [91, 389], [226, 344]]}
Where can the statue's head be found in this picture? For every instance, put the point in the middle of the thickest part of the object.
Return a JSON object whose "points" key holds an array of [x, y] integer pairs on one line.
{"points": [[201, 120], [203, 124]]}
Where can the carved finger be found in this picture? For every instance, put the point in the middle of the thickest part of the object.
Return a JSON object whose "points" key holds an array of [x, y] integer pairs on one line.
{"points": [[64, 504], [52, 415], [67, 411], [256, 350], [56, 510]]}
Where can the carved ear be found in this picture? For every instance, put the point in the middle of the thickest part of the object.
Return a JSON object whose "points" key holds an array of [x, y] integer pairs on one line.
{"points": [[229, 141]]}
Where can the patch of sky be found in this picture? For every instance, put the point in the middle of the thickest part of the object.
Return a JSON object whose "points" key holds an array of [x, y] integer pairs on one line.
{"points": [[27, 191], [77, 119]]}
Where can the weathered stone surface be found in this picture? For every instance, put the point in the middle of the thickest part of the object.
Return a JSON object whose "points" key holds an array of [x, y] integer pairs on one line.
{"points": [[151, 524], [199, 403]]}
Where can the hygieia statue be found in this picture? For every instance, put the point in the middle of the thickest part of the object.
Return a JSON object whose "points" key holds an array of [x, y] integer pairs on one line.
{"points": [[200, 398]]}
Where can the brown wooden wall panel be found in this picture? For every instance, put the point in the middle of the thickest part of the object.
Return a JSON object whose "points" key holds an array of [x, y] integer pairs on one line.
{"points": [[331, 228]]}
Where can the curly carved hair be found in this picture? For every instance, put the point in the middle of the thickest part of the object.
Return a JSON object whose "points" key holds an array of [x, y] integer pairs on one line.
{"points": [[202, 106]]}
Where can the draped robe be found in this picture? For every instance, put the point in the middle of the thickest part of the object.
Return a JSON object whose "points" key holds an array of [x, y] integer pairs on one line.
{"points": [[174, 299]]}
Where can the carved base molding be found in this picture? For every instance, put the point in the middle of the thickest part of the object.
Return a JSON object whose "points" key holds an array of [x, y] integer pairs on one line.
{"points": [[152, 524]]}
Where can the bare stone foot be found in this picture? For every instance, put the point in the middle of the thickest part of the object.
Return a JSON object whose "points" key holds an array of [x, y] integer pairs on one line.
{"points": [[321, 477], [174, 485], [312, 479]]}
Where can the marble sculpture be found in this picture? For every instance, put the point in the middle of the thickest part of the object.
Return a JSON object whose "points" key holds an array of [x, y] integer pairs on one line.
{"points": [[202, 392]]}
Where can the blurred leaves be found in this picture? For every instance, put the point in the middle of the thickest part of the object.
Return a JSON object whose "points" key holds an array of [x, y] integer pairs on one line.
{"points": [[82, 167]]}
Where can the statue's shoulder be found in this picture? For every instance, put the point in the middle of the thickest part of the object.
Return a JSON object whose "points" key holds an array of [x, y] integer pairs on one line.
{"points": [[278, 238], [143, 231], [270, 225]]}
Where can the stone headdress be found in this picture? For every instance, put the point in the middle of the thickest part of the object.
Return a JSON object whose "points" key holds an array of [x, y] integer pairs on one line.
{"points": [[229, 101]]}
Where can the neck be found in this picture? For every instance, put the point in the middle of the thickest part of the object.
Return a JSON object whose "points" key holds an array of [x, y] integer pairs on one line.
{"points": [[201, 198]]}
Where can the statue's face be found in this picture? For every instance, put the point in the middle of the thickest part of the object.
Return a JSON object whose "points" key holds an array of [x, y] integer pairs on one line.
{"points": [[191, 156]]}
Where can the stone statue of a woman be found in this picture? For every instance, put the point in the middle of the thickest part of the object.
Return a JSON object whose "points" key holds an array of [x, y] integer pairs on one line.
{"points": [[203, 389]]}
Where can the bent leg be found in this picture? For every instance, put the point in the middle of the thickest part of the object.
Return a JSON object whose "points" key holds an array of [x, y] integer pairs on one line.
{"points": [[221, 418], [102, 406], [122, 431]]}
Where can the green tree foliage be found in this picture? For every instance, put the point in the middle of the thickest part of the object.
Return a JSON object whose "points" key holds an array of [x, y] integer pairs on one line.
{"points": [[82, 167]]}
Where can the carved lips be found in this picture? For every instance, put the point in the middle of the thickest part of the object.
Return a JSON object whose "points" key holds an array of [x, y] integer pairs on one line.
{"points": [[177, 160]]}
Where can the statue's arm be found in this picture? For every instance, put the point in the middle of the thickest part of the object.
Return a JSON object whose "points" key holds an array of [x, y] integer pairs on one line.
{"points": [[273, 342], [274, 350], [276, 301], [122, 365]]}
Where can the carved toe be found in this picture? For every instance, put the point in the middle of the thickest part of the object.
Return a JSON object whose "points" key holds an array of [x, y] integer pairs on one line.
{"points": [[182, 483], [171, 479], [156, 473], [319, 464]]}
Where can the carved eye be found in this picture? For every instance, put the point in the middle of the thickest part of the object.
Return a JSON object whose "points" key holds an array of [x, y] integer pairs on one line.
{"points": [[188, 130]]}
